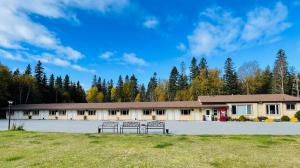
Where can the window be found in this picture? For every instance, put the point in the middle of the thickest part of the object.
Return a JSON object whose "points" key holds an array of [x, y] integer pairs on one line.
{"points": [[52, 112], [146, 112], [244, 109], [80, 112], [290, 106], [207, 112], [62, 112], [92, 112], [160, 112], [112, 112], [272, 109], [215, 112], [186, 112], [35, 112], [26, 113], [124, 112]]}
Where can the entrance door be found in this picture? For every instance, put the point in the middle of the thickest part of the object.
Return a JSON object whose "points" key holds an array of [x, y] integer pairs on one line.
{"points": [[134, 115], [223, 114], [44, 115], [71, 115], [170, 115], [208, 115], [197, 115]]}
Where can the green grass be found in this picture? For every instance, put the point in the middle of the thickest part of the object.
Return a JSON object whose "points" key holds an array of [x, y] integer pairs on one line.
{"points": [[32, 149]]}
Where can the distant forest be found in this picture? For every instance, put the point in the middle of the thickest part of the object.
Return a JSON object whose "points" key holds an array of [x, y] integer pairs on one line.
{"points": [[34, 86]]}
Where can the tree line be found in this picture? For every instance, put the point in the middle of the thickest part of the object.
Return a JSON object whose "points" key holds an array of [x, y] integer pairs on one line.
{"points": [[33, 86], [249, 78]]}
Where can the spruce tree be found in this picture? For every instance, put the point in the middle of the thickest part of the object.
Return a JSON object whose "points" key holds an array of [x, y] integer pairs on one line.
{"points": [[143, 93], [133, 87], [203, 68], [66, 84], [183, 80], [28, 70], [231, 83], [151, 88], [173, 81], [39, 73], [194, 69], [120, 89]]}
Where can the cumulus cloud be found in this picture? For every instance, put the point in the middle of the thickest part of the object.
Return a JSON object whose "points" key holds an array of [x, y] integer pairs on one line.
{"points": [[132, 58], [150, 22], [224, 32], [106, 55], [18, 30]]}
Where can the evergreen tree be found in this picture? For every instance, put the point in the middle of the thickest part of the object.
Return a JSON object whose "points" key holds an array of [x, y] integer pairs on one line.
{"points": [[150, 94], [51, 89], [66, 84], [120, 89], [173, 81], [94, 82], [143, 93], [194, 69], [39, 73], [183, 80], [231, 83], [203, 66], [28, 70], [280, 73], [133, 87]]}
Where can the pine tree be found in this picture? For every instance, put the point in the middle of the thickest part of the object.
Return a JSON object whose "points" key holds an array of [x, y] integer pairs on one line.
{"points": [[143, 93], [151, 88], [203, 68], [231, 83], [280, 73], [51, 89], [173, 81], [120, 89], [133, 87], [39, 73], [28, 70], [194, 69], [94, 82], [66, 84], [183, 80]]}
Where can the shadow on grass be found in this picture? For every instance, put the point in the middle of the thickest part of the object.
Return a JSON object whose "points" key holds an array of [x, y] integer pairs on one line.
{"points": [[163, 145], [14, 158]]}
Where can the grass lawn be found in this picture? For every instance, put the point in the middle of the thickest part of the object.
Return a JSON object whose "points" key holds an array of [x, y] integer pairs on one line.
{"points": [[32, 149]]}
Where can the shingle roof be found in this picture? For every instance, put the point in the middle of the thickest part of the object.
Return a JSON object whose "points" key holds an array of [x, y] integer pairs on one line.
{"points": [[123, 105], [248, 98]]}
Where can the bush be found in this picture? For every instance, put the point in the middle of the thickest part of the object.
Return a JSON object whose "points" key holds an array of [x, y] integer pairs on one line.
{"points": [[85, 117], [269, 120], [285, 118], [242, 118], [262, 118], [297, 115], [294, 119]]}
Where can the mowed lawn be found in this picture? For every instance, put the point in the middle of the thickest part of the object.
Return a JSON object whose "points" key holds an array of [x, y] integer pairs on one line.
{"points": [[32, 149]]}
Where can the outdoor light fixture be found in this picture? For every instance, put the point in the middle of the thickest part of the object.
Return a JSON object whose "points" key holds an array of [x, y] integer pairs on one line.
{"points": [[9, 113]]}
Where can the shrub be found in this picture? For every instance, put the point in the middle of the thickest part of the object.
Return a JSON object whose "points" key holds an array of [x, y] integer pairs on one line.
{"points": [[297, 115], [285, 118], [85, 117], [294, 119], [269, 120], [256, 120], [262, 118], [242, 118]]}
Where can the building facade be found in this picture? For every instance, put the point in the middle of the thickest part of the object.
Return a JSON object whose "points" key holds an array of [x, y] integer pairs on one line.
{"points": [[207, 108]]}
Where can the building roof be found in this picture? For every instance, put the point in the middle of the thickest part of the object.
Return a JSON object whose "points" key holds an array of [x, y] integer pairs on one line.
{"points": [[248, 98], [120, 105]]}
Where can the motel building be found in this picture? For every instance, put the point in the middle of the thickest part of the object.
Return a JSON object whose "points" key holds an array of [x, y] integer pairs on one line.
{"points": [[207, 108]]}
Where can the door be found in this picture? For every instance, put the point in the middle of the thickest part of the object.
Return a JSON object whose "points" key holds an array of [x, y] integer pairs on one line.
{"points": [[134, 115], [177, 115], [197, 115], [223, 114], [71, 115], [44, 115], [208, 115], [102, 115], [170, 115]]}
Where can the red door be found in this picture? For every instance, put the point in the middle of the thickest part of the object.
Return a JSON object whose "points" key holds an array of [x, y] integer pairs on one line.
{"points": [[223, 114]]}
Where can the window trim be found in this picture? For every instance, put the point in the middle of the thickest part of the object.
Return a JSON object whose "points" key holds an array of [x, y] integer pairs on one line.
{"points": [[277, 106], [246, 105], [160, 112], [62, 112], [92, 112], [183, 112], [126, 112], [112, 112], [290, 104], [148, 110], [80, 112]]}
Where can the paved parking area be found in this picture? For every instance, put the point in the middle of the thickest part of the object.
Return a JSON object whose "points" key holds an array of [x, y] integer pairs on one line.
{"points": [[175, 127]]}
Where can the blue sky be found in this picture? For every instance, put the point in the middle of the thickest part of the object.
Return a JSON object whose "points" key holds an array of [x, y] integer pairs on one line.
{"points": [[112, 37]]}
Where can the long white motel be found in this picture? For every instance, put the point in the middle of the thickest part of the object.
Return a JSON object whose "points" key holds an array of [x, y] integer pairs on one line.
{"points": [[207, 108]]}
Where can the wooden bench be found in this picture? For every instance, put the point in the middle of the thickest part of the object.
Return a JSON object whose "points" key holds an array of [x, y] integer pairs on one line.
{"points": [[110, 125], [131, 125], [155, 125]]}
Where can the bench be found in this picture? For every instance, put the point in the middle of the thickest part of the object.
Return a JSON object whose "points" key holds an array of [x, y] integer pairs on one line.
{"points": [[131, 125], [155, 125], [109, 125]]}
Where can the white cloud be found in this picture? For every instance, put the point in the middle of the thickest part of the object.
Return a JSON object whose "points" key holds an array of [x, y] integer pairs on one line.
{"points": [[223, 32], [106, 55], [264, 23], [17, 28], [150, 23], [181, 47], [131, 58], [10, 56]]}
